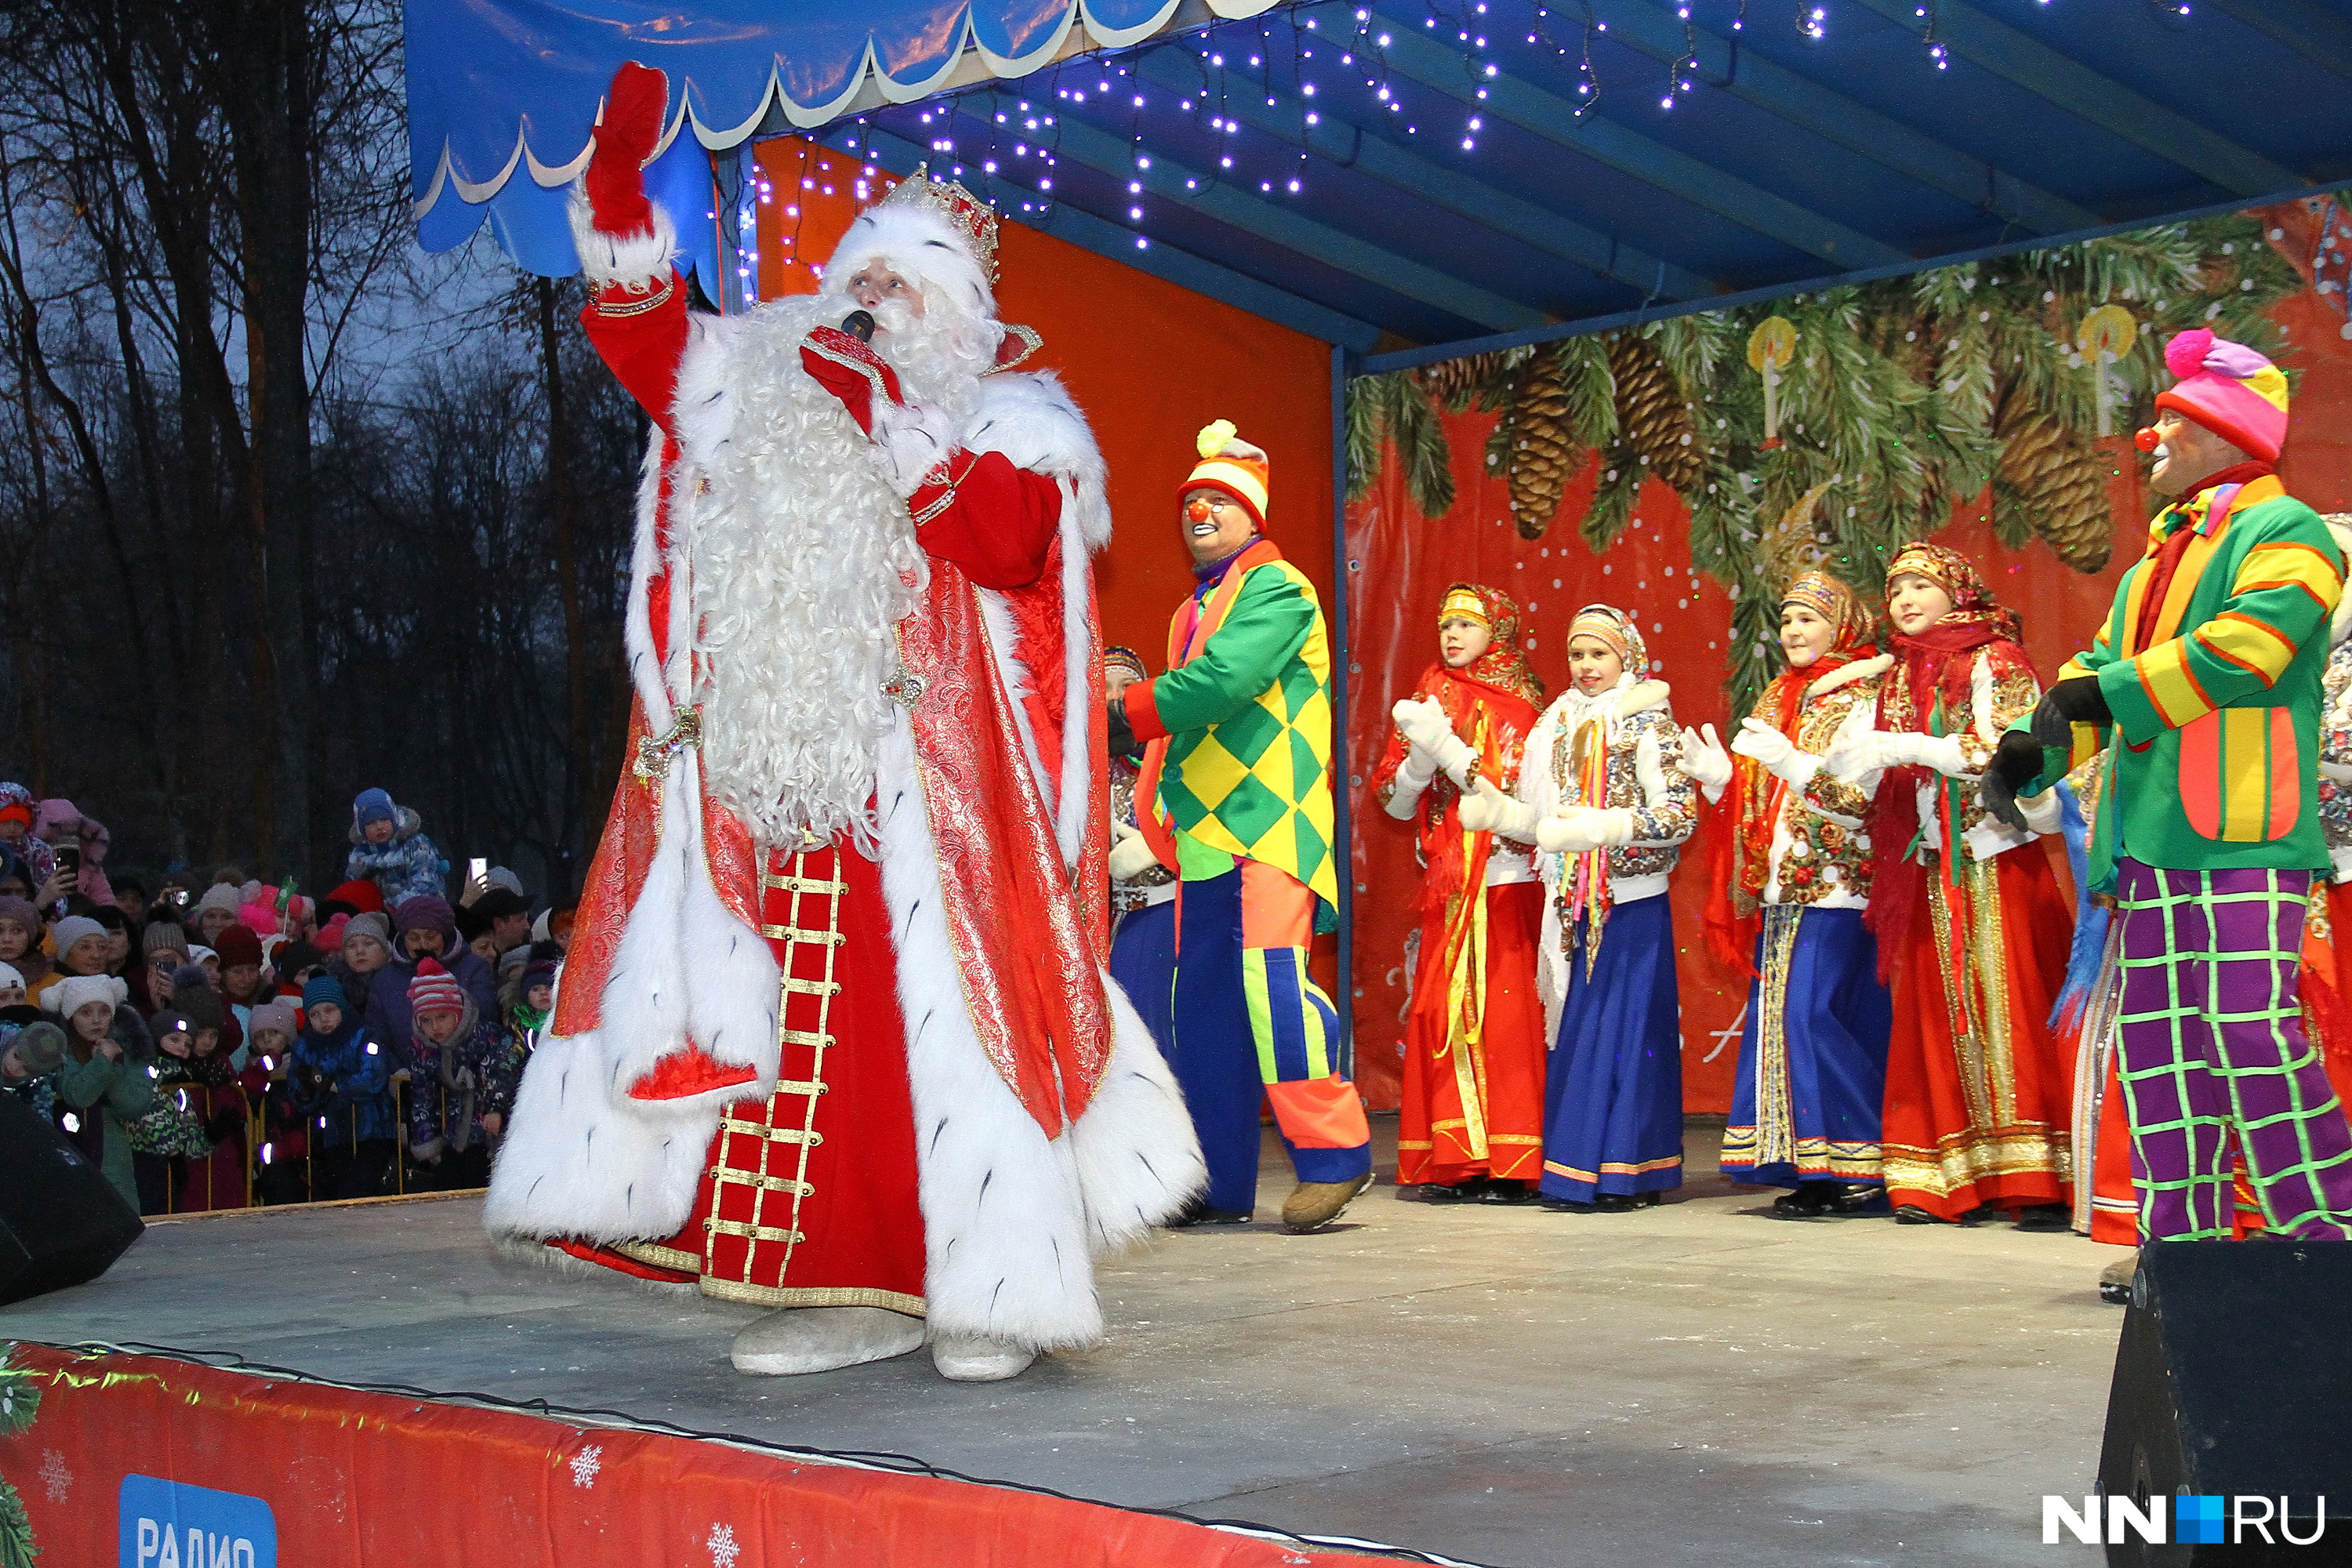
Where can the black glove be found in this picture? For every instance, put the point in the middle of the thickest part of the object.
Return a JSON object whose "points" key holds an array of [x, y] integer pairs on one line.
{"points": [[223, 1126], [2016, 763], [1122, 733], [2067, 704]]}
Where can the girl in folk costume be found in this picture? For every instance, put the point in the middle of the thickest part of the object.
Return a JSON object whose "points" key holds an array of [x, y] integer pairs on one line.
{"points": [[1786, 906], [1978, 1109], [1604, 795], [1472, 1122]]}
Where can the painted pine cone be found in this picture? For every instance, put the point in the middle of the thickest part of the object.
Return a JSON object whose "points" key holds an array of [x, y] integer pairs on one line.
{"points": [[1651, 413]]}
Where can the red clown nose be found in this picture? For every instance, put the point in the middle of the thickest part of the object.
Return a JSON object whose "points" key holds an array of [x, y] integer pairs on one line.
{"points": [[2147, 440], [1197, 512]]}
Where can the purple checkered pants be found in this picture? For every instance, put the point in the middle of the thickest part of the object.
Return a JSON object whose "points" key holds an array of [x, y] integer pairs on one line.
{"points": [[2213, 1054]]}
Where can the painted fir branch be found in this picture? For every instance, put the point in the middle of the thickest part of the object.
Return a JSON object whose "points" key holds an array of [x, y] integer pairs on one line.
{"points": [[1906, 398]]}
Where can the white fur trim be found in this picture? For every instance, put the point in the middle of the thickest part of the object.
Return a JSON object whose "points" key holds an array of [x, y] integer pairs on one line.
{"points": [[583, 1158], [1847, 674], [917, 244], [645, 673], [910, 441], [1008, 1223], [637, 261], [1030, 418]]}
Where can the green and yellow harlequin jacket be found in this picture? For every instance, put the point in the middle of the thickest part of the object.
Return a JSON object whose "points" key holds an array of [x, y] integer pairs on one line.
{"points": [[1240, 724], [2215, 692]]}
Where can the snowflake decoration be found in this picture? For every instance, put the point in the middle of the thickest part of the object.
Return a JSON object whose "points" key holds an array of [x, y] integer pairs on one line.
{"points": [[57, 1480], [723, 1549], [584, 1465]]}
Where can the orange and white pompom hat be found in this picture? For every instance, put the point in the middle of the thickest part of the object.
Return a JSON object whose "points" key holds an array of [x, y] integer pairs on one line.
{"points": [[1231, 465]]}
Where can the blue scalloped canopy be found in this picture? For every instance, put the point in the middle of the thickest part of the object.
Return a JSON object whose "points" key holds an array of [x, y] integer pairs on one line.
{"points": [[1390, 172], [503, 94]]}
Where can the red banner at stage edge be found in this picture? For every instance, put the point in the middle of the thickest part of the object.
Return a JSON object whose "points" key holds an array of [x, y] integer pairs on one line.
{"points": [[156, 1463]]}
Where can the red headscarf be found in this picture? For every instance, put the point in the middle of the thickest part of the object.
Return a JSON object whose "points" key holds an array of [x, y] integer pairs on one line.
{"points": [[1753, 800], [1936, 665], [1502, 682]]}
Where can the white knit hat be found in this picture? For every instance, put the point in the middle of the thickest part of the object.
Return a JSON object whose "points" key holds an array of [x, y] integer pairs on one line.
{"points": [[221, 895], [74, 928], [74, 992], [8, 976]]}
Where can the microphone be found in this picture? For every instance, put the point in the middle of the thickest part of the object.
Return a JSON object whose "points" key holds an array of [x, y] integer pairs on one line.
{"points": [[859, 324]]}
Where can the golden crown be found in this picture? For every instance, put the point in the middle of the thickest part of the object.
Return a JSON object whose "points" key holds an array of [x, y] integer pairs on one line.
{"points": [[975, 217]]}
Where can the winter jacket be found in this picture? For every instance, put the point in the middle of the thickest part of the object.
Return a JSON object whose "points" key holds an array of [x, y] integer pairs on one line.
{"points": [[55, 819], [388, 1017], [105, 1096], [404, 866], [351, 1104], [204, 1093], [451, 1087]]}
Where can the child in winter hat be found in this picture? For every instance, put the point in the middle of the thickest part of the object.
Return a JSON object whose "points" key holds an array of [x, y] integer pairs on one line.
{"points": [[12, 988]]}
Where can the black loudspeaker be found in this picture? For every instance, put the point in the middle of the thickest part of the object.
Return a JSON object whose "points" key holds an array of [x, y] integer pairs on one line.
{"points": [[60, 1222], [2230, 1382]]}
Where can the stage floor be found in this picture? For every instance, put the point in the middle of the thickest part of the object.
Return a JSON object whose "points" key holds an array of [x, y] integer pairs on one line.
{"points": [[1694, 1384]]}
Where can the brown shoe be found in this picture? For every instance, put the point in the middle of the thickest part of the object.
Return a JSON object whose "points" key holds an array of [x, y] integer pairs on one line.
{"points": [[1312, 1205]]}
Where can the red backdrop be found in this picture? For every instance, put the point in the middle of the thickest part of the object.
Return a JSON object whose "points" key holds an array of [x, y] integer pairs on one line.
{"points": [[1399, 563]]}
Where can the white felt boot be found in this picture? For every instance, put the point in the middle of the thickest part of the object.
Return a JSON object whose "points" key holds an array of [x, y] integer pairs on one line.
{"points": [[819, 1339], [971, 1360]]}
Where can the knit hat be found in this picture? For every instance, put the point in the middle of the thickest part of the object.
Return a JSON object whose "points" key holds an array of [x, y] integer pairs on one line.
{"points": [[221, 895], [424, 911], [235, 945], [2230, 389], [8, 977], [278, 1015], [199, 1003], [541, 973], [331, 936], [1126, 659], [364, 896], [22, 911], [323, 988], [14, 809], [73, 929], [169, 1021], [198, 953], [40, 1047], [74, 992], [163, 937], [372, 925], [434, 990], [1232, 466], [373, 805]]}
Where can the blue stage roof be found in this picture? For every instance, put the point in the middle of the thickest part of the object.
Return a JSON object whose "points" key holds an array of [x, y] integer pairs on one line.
{"points": [[1907, 132]]}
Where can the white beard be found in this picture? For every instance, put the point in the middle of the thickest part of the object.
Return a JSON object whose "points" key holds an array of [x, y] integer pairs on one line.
{"points": [[803, 562], [939, 355]]}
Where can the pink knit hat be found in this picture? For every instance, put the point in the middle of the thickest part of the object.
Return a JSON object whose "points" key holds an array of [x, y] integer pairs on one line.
{"points": [[434, 990], [2230, 389]]}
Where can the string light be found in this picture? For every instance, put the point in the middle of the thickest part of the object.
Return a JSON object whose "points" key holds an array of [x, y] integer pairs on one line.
{"points": [[1936, 50], [1812, 21]]}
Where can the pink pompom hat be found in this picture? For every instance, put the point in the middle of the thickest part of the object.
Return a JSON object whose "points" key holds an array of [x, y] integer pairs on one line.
{"points": [[2230, 389]]}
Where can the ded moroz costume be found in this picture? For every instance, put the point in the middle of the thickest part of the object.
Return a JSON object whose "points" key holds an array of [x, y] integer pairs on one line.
{"points": [[1602, 793], [1471, 1123], [2209, 675], [1788, 882], [834, 1035]]}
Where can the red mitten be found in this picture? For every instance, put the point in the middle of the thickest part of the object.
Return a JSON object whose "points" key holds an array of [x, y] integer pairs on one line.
{"points": [[632, 127], [851, 370]]}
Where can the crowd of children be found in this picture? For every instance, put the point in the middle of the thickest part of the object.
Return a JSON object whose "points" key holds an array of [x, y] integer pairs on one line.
{"points": [[238, 1043]]}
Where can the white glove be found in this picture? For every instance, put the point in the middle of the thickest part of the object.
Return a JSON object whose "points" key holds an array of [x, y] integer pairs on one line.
{"points": [[1424, 724], [1780, 755], [1573, 829], [1704, 760], [1490, 810], [2044, 812], [1854, 757], [1130, 852], [1414, 770], [2337, 771]]}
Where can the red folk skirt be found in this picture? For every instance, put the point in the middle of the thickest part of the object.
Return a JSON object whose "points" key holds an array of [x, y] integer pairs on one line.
{"points": [[1978, 1089], [1475, 1108]]}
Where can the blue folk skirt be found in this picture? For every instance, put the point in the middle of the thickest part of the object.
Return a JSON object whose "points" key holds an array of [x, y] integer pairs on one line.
{"points": [[1812, 1056], [1613, 1084]]}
